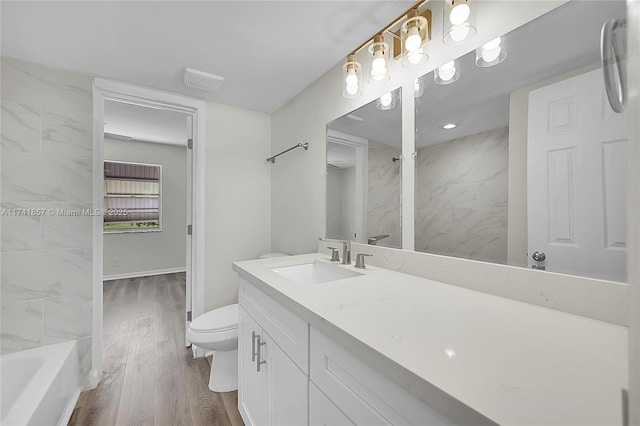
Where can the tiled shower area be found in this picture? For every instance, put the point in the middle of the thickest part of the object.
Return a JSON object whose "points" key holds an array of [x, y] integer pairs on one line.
{"points": [[47, 181]]}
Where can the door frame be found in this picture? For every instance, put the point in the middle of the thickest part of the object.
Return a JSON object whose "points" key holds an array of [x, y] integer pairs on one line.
{"points": [[361, 146], [122, 92]]}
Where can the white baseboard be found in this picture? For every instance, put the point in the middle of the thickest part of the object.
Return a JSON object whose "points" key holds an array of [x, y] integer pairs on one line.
{"points": [[142, 274]]}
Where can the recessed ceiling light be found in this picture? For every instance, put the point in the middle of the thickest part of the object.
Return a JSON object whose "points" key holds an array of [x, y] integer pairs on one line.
{"points": [[449, 126]]}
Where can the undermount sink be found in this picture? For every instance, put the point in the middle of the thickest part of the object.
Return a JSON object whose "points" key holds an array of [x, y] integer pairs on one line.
{"points": [[314, 272]]}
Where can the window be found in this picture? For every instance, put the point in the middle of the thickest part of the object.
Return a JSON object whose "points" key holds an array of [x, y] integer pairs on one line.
{"points": [[132, 197]]}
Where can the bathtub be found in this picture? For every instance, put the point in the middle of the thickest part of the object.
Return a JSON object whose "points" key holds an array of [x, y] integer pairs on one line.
{"points": [[39, 386]]}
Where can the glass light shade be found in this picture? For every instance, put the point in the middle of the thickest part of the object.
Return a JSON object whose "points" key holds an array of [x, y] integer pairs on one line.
{"points": [[458, 22], [447, 73], [379, 51], [351, 78], [386, 102], [491, 53], [413, 32], [414, 59]]}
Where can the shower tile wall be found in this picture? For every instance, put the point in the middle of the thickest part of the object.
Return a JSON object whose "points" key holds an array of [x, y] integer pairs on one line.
{"points": [[461, 197], [46, 159], [383, 203]]}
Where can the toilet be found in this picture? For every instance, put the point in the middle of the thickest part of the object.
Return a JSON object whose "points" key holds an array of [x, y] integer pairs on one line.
{"points": [[217, 331]]}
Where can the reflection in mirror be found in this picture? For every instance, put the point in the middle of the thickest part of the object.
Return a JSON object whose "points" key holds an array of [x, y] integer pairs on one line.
{"points": [[363, 173], [522, 163]]}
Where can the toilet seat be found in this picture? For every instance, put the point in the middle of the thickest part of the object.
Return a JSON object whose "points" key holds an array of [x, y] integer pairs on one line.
{"points": [[216, 321]]}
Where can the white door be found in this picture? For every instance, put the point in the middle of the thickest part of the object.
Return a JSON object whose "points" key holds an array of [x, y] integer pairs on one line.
{"points": [[249, 379], [576, 180], [285, 387]]}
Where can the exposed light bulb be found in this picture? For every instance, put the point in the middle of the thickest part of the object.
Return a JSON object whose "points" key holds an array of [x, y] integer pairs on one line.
{"points": [[379, 74], [448, 66], [385, 100], [351, 79], [413, 41], [459, 14], [415, 57], [378, 63], [459, 33], [491, 55], [492, 44], [449, 126], [447, 71], [352, 89]]}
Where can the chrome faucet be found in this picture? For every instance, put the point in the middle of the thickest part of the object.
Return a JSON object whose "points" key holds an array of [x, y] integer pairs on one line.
{"points": [[346, 250], [360, 260], [334, 254], [374, 240]]}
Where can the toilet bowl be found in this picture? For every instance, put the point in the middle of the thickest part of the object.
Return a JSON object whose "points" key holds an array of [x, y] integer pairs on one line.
{"points": [[217, 331]]}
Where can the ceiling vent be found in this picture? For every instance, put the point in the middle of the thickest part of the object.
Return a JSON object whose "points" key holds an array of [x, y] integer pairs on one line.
{"points": [[202, 80]]}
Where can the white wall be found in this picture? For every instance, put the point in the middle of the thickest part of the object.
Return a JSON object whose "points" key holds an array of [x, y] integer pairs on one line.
{"points": [[238, 195], [139, 253], [341, 202]]}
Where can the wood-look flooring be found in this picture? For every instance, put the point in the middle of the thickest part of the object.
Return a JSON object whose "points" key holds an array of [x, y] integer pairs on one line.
{"points": [[150, 377]]}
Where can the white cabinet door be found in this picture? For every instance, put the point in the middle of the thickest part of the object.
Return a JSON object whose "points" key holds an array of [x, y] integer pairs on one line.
{"points": [[285, 387], [272, 390], [323, 412], [249, 379]]}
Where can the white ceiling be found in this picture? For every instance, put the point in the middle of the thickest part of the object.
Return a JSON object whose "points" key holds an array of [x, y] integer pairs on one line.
{"points": [[267, 51], [566, 39], [145, 124]]}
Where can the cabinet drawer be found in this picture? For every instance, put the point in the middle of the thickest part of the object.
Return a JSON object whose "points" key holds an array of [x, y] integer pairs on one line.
{"points": [[362, 394], [286, 329]]}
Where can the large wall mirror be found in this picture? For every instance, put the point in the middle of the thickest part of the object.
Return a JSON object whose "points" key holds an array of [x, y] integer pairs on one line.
{"points": [[521, 161], [363, 173]]}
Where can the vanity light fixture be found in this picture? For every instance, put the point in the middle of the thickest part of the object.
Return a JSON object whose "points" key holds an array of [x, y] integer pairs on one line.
{"points": [[458, 24], [449, 126], [352, 78], [414, 32], [409, 34], [386, 102], [379, 50], [491, 53], [447, 73]]}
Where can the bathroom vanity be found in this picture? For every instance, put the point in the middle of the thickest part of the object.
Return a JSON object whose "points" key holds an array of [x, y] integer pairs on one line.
{"points": [[324, 343]]}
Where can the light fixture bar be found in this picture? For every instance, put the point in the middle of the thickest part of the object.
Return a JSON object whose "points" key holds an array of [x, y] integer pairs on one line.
{"points": [[395, 22]]}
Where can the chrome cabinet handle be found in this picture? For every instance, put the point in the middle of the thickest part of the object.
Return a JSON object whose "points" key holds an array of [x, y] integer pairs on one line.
{"points": [[260, 362], [254, 353], [612, 52]]}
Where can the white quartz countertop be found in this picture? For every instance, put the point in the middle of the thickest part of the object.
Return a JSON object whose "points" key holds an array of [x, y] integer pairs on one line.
{"points": [[512, 362]]}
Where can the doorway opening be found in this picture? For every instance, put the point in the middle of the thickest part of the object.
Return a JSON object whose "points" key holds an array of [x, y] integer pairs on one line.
{"points": [[117, 107]]}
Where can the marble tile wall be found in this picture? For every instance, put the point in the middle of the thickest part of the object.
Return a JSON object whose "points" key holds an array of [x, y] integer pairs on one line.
{"points": [[461, 197], [46, 159], [383, 202]]}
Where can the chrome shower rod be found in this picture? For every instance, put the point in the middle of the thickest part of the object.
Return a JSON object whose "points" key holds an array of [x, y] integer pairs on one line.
{"points": [[272, 160]]}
